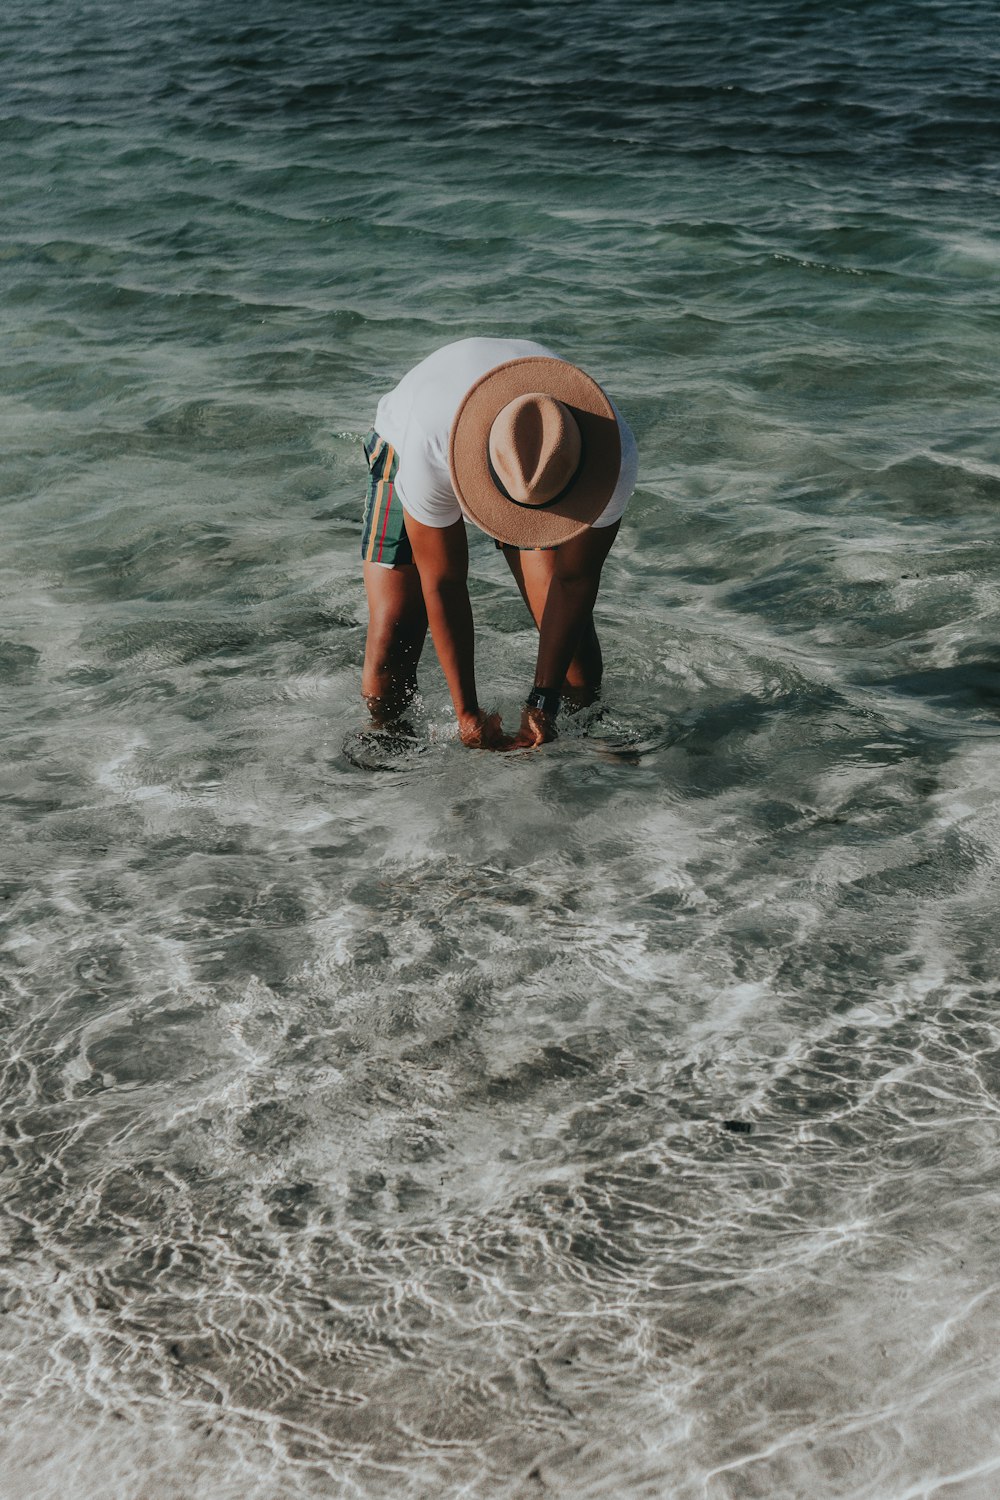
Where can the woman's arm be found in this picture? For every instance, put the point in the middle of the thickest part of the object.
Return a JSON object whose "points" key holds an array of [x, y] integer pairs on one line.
{"points": [[441, 555], [569, 605]]}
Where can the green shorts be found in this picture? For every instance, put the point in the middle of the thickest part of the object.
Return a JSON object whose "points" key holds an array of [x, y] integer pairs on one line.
{"points": [[383, 534]]}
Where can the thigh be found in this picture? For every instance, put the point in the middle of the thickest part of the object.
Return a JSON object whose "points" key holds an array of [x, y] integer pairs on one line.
{"points": [[532, 573]]}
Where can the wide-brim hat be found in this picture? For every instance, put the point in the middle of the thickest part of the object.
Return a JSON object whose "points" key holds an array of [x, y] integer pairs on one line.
{"points": [[524, 427]]}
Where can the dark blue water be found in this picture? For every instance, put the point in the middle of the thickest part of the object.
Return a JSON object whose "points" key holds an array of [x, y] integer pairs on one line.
{"points": [[619, 1120]]}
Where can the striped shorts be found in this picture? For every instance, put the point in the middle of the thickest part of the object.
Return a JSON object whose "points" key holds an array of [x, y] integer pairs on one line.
{"points": [[383, 534]]}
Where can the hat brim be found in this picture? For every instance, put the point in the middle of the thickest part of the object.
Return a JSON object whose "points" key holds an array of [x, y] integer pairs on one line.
{"points": [[595, 479]]}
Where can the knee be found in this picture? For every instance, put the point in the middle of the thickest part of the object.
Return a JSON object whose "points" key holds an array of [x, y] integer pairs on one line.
{"points": [[392, 640], [394, 643], [383, 632]]}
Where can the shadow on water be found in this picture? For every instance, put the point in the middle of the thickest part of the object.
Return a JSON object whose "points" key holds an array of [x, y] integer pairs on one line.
{"points": [[968, 687], [792, 738]]}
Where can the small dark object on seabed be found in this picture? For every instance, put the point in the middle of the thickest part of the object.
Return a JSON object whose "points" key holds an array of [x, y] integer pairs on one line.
{"points": [[738, 1127]]}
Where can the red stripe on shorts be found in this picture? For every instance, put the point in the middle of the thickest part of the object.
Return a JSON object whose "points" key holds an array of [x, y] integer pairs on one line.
{"points": [[390, 491]]}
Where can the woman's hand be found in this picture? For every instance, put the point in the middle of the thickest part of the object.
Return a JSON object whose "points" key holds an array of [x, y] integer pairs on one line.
{"points": [[537, 728], [482, 731]]}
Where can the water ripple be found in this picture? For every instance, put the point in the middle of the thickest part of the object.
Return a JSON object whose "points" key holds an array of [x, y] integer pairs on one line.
{"points": [[381, 1119]]}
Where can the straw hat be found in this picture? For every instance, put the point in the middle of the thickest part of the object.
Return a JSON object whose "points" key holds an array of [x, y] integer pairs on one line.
{"points": [[534, 452]]}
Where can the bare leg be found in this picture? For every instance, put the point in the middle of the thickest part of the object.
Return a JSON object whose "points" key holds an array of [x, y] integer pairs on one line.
{"points": [[397, 625], [533, 573]]}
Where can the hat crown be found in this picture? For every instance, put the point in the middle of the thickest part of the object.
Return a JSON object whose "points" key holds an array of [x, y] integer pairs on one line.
{"points": [[534, 448]]}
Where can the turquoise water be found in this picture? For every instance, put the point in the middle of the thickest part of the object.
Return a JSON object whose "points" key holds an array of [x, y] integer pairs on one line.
{"points": [[615, 1121]]}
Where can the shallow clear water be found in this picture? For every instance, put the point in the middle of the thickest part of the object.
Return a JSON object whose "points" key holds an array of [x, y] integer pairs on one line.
{"points": [[620, 1120]]}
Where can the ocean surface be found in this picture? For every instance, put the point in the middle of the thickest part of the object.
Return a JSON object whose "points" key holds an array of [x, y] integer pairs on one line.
{"points": [[620, 1120]]}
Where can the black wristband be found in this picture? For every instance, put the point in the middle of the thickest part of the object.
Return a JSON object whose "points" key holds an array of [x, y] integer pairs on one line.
{"points": [[547, 699]]}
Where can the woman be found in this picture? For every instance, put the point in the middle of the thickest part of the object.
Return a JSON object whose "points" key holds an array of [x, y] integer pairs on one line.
{"points": [[526, 446]]}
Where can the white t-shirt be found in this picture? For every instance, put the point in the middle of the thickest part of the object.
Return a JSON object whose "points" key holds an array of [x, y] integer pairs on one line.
{"points": [[416, 419]]}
